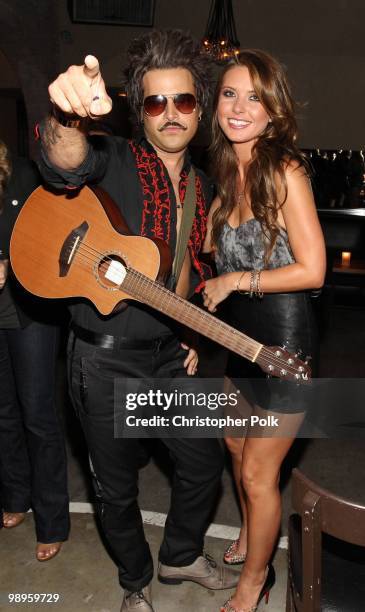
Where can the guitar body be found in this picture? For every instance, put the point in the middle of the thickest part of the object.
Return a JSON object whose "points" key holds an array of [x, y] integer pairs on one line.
{"points": [[38, 245]]}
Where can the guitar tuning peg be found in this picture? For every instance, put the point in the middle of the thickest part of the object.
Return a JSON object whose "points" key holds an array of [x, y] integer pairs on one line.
{"points": [[307, 359], [285, 344], [299, 353]]}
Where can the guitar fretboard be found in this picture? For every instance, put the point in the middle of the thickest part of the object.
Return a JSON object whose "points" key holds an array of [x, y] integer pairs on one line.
{"points": [[150, 292]]}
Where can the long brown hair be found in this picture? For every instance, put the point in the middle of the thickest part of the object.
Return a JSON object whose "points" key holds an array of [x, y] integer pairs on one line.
{"points": [[274, 148], [5, 170]]}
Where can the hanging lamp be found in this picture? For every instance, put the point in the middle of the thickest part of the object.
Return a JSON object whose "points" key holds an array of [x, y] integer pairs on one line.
{"points": [[220, 39]]}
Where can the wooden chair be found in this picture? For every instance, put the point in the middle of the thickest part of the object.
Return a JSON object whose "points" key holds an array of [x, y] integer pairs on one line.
{"points": [[326, 551]]}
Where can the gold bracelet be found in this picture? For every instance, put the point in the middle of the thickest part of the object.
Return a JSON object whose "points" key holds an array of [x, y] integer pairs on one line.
{"points": [[67, 120], [237, 287]]}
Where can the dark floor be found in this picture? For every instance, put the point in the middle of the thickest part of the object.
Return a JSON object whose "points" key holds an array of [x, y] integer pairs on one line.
{"points": [[83, 573]]}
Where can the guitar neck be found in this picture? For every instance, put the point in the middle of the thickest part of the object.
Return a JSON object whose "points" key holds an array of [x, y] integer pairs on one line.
{"points": [[151, 293]]}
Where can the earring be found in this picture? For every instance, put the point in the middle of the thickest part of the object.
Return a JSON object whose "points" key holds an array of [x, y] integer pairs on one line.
{"points": [[200, 117]]}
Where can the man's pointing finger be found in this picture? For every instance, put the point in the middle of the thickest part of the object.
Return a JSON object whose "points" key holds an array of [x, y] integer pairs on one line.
{"points": [[91, 66]]}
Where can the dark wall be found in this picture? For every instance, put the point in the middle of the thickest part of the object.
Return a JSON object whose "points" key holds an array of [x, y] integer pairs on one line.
{"points": [[320, 41]]}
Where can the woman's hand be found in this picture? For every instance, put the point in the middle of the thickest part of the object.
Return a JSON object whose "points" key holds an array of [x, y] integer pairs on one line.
{"points": [[3, 272], [191, 361], [218, 289]]}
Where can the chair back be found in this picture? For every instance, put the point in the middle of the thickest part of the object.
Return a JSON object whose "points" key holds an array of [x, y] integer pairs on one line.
{"points": [[321, 511]]}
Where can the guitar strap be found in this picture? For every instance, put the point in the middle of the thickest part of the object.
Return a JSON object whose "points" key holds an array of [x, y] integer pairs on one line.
{"points": [[187, 219]]}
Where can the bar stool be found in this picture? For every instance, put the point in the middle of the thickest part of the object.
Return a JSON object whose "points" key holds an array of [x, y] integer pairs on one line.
{"points": [[326, 551]]}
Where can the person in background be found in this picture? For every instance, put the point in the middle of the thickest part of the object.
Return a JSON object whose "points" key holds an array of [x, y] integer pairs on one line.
{"points": [[269, 251], [32, 452]]}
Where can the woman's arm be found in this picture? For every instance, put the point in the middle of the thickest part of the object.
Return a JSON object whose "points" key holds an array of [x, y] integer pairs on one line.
{"points": [[207, 246], [306, 240]]}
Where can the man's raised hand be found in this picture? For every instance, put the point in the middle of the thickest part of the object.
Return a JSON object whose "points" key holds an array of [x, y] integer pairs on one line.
{"points": [[81, 90]]}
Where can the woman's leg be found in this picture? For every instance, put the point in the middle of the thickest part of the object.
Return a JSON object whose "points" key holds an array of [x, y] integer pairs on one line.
{"points": [[14, 460], [33, 358], [235, 447], [261, 463]]}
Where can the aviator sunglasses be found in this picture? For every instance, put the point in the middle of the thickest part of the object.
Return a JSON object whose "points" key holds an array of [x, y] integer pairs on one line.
{"points": [[155, 105]]}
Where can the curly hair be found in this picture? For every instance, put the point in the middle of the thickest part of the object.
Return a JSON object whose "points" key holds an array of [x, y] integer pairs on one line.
{"points": [[5, 170], [161, 49], [274, 149]]}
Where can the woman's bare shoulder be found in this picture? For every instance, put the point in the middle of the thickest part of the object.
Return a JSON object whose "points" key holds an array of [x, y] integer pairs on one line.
{"points": [[215, 205]]}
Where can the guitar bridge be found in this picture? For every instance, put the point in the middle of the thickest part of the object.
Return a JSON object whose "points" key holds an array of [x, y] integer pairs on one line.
{"points": [[70, 247]]}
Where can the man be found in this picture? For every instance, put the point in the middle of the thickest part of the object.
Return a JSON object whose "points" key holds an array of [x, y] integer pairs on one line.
{"points": [[167, 85]]}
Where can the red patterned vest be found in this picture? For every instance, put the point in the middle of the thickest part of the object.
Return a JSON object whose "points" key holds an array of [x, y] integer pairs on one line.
{"points": [[156, 216]]}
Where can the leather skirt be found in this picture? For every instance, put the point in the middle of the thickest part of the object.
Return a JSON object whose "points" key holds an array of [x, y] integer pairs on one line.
{"points": [[275, 320]]}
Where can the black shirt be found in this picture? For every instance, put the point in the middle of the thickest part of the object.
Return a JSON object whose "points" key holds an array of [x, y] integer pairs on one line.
{"points": [[15, 304], [111, 165]]}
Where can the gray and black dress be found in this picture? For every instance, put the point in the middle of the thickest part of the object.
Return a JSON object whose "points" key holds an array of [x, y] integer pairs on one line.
{"points": [[277, 318]]}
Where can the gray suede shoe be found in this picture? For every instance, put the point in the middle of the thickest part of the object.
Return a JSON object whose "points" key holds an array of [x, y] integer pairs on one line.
{"points": [[204, 571], [137, 601]]}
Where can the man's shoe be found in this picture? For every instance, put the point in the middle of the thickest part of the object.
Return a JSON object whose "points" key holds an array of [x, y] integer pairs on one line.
{"points": [[137, 601], [204, 571]]}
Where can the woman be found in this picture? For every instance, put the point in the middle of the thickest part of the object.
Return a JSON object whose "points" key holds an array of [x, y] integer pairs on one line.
{"points": [[32, 453], [270, 253]]}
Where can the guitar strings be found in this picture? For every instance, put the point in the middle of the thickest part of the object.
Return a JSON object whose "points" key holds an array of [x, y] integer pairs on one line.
{"points": [[89, 254], [141, 279], [265, 354], [240, 336]]}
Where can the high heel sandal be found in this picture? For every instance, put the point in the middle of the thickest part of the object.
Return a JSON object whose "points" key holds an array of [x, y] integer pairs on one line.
{"points": [[265, 592], [232, 556], [14, 519]]}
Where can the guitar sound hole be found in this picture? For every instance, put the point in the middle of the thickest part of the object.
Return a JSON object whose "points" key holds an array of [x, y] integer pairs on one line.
{"points": [[111, 271]]}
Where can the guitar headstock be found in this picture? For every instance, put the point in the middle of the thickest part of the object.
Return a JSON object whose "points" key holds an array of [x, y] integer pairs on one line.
{"points": [[277, 361]]}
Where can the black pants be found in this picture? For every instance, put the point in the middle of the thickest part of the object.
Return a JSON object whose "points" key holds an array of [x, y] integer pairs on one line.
{"points": [[32, 453], [198, 463]]}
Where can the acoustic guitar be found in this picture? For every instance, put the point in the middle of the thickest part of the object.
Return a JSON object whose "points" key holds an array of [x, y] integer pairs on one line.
{"points": [[72, 246]]}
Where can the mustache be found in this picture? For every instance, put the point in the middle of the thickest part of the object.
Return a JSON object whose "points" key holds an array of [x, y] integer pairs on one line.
{"points": [[172, 124]]}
